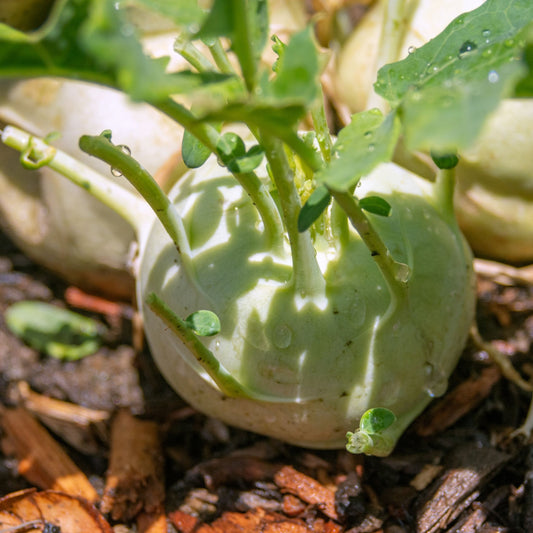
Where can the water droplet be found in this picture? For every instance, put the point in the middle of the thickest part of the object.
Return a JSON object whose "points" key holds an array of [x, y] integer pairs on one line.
{"points": [[434, 68], [282, 336], [124, 148], [116, 172], [371, 147], [466, 48], [486, 33], [411, 50], [368, 134], [493, 77], [486, 53], [437, 382], [509, 43], [402, 272]]}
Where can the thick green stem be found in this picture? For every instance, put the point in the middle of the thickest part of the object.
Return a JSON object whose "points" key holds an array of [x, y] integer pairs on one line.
{"points": [[396, 19], [192, 55], [37, 153], [100, 146], [221, 57], [396, 274], [444, 191], [307, 277], [250, 182]]}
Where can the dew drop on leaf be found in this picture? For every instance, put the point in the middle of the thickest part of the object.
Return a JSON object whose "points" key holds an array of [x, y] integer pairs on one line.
{"points": [[466, 48], [282, 336], [116, 172], [493, 77], [411, 49], [437, 382]]}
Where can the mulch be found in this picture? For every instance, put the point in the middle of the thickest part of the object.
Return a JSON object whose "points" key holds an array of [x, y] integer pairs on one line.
{"points": [[154, 464]]}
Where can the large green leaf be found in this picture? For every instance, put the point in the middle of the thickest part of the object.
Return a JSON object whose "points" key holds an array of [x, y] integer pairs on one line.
{"points": [[446, 88]]}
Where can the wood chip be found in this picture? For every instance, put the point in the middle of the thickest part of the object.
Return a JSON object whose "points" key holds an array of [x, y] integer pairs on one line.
{"points": [[457, 403], [41, 460], [134, 480], [84, 429], [468, 469], [75, 297], [307, 489]]}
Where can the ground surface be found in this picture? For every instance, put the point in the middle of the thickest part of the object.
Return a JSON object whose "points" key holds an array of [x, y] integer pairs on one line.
{"points": [[457, 469]]}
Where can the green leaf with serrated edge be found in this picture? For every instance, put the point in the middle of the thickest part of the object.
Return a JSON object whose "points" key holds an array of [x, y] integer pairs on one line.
{"points": [[194, 153], [297, 70], [203, 323], [446, 89], [313, 208], [54, 331], [93, 41], [375, 205], [368, 140], [376, 420]]}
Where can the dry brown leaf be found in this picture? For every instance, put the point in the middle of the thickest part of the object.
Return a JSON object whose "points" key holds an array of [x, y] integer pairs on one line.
{"points": [[32, 511]]}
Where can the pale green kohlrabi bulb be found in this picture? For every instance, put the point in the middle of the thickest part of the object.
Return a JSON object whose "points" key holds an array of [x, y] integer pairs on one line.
{"points": [[494, 198], [311, 365]]}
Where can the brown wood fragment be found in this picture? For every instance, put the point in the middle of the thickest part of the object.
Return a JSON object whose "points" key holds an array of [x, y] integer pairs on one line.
{"points": [[154, 522], [467, 470], [292, 505], [41, 460], [184, 522], [308, 489], [134, 480], [227, 470], [81, 427], [254, 521], [75, 297], [458, 402]]}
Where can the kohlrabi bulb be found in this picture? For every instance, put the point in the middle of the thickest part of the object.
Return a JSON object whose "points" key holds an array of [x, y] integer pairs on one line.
{"points": [[312, 365]]}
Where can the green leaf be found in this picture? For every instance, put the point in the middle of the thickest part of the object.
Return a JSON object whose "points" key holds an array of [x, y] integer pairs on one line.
{"points": [[297, 71], [203, 323], [181, 12], [446, 89], [93, 41], [194, 153], [376, 205], [57, 332], [376, 420], [368, 140], [444, 161], [313, 208], [232, 152]]}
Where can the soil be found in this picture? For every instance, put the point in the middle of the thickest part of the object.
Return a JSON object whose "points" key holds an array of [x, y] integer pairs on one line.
{"points": [[458, 468]]}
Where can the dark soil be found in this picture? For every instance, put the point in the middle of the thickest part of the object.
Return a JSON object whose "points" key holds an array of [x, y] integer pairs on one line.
{"points": [[463, 475]]}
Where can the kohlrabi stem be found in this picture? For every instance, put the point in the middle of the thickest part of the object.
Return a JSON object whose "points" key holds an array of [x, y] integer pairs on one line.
{"points": [[396, 19], [396, 274], [221, 57], [192, 55], [249, 181], [307, 278], [227, 384], [444, 190], [36, 153], [323, 135], [100, 146], [243, 38]]}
